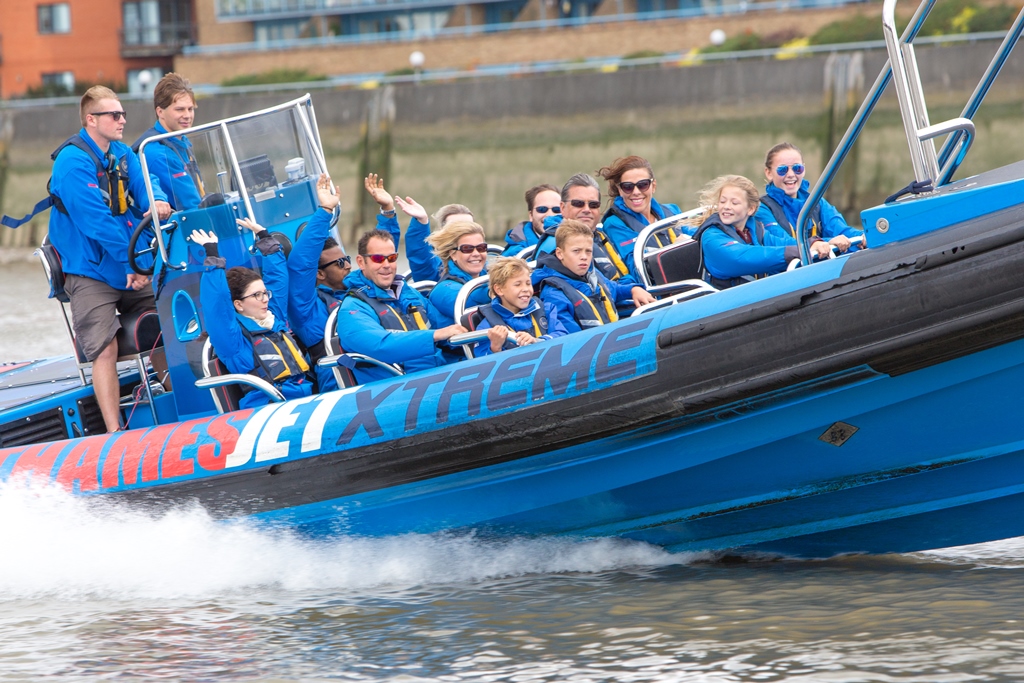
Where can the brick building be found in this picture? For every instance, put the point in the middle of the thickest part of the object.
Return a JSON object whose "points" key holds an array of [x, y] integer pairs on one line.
{"points": [[53, 45]]}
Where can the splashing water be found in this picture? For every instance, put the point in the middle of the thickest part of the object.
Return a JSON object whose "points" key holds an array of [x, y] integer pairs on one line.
{"points": [[56, 544]]}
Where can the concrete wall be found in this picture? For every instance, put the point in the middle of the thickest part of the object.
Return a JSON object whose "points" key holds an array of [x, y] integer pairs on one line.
{"points": [[948, 72]]}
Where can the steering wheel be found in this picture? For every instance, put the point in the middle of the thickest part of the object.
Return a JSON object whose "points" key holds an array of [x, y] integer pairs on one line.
{"points": [[133, 255]]}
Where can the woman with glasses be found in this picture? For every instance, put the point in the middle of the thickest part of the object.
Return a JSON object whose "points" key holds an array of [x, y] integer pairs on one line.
{"points": [[462, 249], [245, 317], [631, 185], [786, 193]]}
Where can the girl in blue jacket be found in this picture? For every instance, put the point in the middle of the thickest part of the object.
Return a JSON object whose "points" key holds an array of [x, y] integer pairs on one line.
{"points": [[787, 191], [735, 246], [244, 315], [515, 317]]}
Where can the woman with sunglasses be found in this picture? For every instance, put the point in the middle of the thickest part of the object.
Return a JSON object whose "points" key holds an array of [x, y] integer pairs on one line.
{"points": [[462, 249], [244, 314], [786, 193]]}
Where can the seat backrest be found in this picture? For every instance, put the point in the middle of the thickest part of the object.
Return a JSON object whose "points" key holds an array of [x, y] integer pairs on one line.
{"points": [[226, 397], [342, 373], [674, 263], [50, 259]]}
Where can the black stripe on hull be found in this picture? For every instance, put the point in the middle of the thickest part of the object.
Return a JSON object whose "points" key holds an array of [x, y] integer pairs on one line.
{"points": [[901, 308]]}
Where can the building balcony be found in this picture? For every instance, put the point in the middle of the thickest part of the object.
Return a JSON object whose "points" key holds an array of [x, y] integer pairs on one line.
{"points": [[163, 40]]}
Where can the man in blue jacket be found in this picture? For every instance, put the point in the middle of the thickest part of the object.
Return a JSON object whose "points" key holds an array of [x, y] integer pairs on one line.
{"points": [[172, 160], [383, 318], [540, 200], [94, 177]]}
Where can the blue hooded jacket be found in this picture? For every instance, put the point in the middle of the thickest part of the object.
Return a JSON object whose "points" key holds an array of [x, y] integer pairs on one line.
{"points": [[728, 258], [225, 325], [520, 237], [169, 161], [91, 242], [832, 222], [521, 322], [623, 233], [443, 296], [361, 331], [551, 267]]}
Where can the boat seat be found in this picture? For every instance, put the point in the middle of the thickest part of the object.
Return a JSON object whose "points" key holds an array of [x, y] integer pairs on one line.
{"points": [[344, 363], [471, 320], [424, 287], [228, 388], [138, 338]]}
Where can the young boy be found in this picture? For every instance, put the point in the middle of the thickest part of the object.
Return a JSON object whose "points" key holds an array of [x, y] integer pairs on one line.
{"points": [[515, 317], [581, 295]]}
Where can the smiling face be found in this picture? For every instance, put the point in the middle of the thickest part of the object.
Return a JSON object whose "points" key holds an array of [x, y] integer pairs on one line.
{"points": [[733, 208], [179, 115], [254, 307], [791, 181], [550, 202], [577, 254], [589, 200], [637, 200], [473, 263], [381, 274], [330, 273], [516, 292]]}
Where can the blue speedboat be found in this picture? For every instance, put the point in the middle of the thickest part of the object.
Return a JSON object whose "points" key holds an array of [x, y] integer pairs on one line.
{"points": [[867, 403]]}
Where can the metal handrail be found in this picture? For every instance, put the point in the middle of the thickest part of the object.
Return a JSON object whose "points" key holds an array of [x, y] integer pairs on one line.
{"points": [[852, 133]]}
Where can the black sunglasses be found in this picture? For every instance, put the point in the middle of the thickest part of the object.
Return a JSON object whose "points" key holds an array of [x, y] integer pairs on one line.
{"points": [[342, 262], [545, 209], [116, 115], [641, 185], [580, 203], [470, 248]]}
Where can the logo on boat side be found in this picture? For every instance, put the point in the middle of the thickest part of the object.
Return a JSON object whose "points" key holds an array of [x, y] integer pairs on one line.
{"points": [[569, 366]]}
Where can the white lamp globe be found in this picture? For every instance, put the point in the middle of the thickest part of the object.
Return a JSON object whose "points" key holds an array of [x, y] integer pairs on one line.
{"points": [[145, 78], [416, 59], [717, 36]]}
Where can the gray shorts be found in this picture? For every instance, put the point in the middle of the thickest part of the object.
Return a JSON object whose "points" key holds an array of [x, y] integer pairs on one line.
{"points": [[94, 309]]}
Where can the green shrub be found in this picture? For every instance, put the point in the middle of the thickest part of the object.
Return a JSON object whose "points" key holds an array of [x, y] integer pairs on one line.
{"points": [[644, 54], [275, 76], [855, 29], [748, 40]]}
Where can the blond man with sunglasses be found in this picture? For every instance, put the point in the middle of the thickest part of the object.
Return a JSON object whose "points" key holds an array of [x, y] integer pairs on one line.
{"points": [[384, 318], [99, 196]]}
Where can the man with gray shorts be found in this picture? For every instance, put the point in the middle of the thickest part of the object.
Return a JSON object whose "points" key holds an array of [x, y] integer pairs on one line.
{"points": [[94, 177]]}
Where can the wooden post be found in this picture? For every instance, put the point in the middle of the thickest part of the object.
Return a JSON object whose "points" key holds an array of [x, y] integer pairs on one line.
{"points": [[844, 89], [375, 153]]}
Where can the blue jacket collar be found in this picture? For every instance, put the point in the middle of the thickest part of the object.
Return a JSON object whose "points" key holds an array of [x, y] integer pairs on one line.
{"points": [[453, 269], [250, 324], [657, 209], [356, 280], [506, 312], [790, 205], [92, 143]]}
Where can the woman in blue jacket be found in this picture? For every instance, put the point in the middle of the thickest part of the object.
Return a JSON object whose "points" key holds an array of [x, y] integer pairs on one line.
{"points": [[787, 191], [245, 317], [462, 249], [631, 185], [735, 246]]}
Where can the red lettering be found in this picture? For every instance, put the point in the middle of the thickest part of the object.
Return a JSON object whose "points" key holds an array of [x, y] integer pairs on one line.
{"points": [[37, 461], [82, 464], [134, 451], [172, 464], [211, 456]]}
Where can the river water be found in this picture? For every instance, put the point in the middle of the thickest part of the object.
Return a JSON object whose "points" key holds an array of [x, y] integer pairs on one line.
{"points": [[89, 591]]}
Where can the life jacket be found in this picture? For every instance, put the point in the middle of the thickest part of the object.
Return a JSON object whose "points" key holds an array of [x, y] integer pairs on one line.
{"points": [[111, 177], [330, 301], [537, 318], [780, 216], [413, 318], [706, 275], [188, 160], [518, 235], [277, 355], [589, 311], [607, 258]]}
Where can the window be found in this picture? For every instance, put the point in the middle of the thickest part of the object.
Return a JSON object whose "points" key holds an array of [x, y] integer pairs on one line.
{"points": [[55, 18], [59, 83]]}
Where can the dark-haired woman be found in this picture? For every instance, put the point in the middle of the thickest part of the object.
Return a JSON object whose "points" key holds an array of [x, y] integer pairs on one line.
{"points": [[245, 317], [787, 191], [631, 185]]}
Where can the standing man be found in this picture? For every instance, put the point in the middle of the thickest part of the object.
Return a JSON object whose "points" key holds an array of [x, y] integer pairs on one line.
{"points": [[95, 177], [172, 160]]}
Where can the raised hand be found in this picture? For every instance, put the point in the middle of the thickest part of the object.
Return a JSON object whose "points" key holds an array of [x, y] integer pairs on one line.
{"points": [[249, 224], [325, 192], [412, 209], [202, 237], [375, 186]]}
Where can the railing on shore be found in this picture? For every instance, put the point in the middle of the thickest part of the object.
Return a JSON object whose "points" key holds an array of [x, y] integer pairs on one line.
{"points": [[497, 71]]}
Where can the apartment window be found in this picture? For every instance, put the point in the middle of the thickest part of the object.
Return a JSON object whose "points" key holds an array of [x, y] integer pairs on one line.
{"points": [[55, 18], [59, 82]]}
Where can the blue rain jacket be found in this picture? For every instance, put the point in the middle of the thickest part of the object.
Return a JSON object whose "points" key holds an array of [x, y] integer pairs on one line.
{"points": [[623, 233], [170, 160], [521, 322], [832, 222], [549, 266], [443, 296], [726, 257]]}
